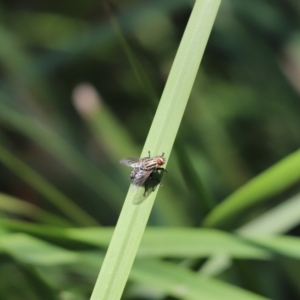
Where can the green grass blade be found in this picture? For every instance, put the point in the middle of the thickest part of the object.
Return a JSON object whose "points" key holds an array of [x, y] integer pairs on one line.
{"points": [[169, 278], [16, 206], [185, 284], [30, 250], [277, 220], [284, 245], [190, 242], [269, 183], [157, 242], [132, 222]]}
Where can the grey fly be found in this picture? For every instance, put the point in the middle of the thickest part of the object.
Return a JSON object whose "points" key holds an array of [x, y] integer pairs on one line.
{"points": [[142, 168]]}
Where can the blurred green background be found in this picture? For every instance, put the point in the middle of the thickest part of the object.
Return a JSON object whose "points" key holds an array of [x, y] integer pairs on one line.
{"points": [[79, 85]]}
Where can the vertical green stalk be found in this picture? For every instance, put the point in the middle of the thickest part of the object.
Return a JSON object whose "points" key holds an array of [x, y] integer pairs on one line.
{"points": [[133, 219]]}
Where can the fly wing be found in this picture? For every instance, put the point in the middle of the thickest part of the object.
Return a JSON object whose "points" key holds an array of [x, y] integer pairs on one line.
{"points": [[131, 162], [140, 177]]}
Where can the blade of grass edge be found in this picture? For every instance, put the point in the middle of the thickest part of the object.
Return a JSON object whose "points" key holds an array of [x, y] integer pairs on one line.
{"points": [[133, 219]]}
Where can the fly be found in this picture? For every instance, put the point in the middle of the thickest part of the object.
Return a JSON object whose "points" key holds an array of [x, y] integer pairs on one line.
{"points": [[142, 168]]}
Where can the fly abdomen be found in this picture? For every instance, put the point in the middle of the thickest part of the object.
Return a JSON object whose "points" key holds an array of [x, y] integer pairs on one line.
{"points": [[133, 173]]}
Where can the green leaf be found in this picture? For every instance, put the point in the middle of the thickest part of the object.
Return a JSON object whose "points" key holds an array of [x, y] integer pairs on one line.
{"points": [[133, 218], [283, 245], [269, 183], [187, 242], [30, 250], [156, 242], [279, 219], [185, 284], [15, 206]]}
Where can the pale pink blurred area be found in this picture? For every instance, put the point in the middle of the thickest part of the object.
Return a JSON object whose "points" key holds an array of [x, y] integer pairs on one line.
{"points": [[86, 99], [290, 62]]}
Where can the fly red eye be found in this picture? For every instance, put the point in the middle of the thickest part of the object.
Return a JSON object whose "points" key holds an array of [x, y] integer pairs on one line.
{"points": [[160, 161]]}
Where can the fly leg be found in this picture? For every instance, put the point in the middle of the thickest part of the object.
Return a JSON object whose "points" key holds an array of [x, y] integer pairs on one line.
{"points": [[153, 178], [147, 187], [162, 169]]}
